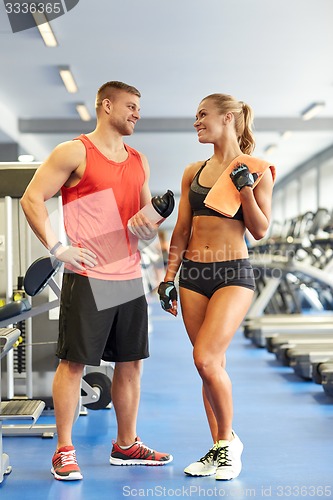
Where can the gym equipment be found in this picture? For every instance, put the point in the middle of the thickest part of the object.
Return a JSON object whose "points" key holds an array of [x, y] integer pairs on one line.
{"points": [[320, 369], [288, 353], [28, 370], [40, 274], [17, 409], [311, 325], [322, 373], [258, 331], [96, 391], [327, 383], [302, 280], [292, 312], [274, 341], [302, 361]]}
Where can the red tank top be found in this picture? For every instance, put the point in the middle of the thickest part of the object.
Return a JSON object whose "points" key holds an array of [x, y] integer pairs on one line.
{"points": [[97, 209]]}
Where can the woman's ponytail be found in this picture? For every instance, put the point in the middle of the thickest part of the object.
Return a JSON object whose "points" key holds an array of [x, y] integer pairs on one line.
{"points": [[246, 140]]}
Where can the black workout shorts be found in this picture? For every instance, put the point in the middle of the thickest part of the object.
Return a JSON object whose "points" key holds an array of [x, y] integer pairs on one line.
{"points": [[101, 319], [207, 277]]}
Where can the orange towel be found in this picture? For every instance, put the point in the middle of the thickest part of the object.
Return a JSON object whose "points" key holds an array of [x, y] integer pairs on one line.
{"points": [[224, 196]]}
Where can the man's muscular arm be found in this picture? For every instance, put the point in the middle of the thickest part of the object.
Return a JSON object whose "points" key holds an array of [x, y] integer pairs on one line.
{"points": [[47, 181]]}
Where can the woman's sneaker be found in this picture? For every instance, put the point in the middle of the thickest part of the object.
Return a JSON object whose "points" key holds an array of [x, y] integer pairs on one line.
{"points": [[138, 454], [228, 458], [64, 464], [205, 466]]}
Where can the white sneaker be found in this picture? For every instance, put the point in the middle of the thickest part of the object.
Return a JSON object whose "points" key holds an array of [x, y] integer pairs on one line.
{"points": [[228, 458], [205, 466]]}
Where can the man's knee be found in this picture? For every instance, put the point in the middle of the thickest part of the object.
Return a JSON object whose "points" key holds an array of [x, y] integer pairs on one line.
{"points": [[129, 368], [70, 367]]}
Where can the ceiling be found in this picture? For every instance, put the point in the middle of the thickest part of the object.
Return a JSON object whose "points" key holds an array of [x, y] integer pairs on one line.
{"points": [[276, 55]]}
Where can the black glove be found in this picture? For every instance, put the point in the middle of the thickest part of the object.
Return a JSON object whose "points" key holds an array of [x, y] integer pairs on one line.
{"points": [[241, 176], [168, 293]]}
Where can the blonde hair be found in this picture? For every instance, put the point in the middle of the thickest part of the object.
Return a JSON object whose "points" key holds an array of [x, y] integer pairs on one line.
{"points": [[109, 89], [243, 118]]}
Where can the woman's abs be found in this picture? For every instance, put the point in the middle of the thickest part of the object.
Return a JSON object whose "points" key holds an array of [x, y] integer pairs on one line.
{"points": [[216, 240]]}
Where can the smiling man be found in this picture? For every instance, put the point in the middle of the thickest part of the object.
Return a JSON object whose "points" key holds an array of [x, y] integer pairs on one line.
{"points": [[103, 311]]}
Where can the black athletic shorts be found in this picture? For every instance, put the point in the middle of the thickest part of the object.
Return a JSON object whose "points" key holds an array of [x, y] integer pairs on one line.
{"points": [[207, 277], [102, 320]]}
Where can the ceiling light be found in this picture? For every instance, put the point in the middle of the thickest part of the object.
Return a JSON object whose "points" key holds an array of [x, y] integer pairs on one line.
{"points": [[26, 158], [45, 29], [68, 79], [286, 134], [271, 148], [312, 110], [83, 112]]}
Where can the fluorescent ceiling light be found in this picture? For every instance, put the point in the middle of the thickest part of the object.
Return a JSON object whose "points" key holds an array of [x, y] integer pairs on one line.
{"points": [[286, 135], [83, 112], [45, 29], [68, 79], [26, 158], [312, 110]]}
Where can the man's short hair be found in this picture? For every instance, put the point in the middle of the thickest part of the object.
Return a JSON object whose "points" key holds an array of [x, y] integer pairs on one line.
{"points": [[108, 90]]}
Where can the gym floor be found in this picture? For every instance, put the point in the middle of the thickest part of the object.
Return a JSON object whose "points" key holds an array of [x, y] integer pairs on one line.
{"points": [[284, 422]]}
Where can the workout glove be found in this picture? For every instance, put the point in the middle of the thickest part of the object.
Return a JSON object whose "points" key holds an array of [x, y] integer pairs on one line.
{"points": [[168, 293], [241, 176]]}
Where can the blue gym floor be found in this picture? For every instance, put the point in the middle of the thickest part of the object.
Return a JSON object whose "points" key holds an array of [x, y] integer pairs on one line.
{"points": [[285, 423]]}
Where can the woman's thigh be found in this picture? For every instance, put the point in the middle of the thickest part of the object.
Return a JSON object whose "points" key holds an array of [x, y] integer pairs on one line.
{"points": [[224, 314], [193, 306]]}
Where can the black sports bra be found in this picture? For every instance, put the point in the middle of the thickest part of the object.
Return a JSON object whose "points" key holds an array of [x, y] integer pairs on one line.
{"points": [[198, 193]]}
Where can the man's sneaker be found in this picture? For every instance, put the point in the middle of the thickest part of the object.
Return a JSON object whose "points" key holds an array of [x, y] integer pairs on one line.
{"points": [[138, 454], [228, 458], [64, 464], [205, 466]]}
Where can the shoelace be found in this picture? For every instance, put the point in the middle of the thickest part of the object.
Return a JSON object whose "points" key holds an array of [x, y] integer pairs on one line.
{"points": [[144, 450], [222, 457], [138, 442], [210, 456], [66, 458], [141, 445]]}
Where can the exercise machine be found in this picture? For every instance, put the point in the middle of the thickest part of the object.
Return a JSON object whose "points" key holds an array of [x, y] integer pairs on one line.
{"points": [[40, 274], [302, 359], [17, 409], [95, 387], [322, 373], [276, 340]]}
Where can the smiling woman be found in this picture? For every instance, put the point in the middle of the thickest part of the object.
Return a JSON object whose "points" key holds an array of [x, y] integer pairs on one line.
{"points": [[216, 279]]}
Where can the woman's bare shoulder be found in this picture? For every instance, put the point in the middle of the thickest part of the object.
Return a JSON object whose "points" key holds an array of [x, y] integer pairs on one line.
{"points": [[192, 168]]}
